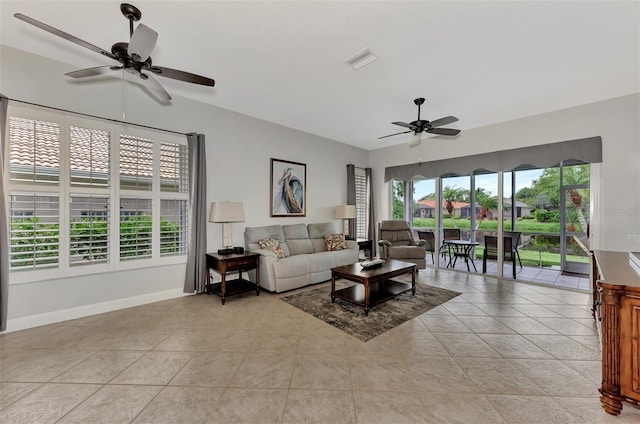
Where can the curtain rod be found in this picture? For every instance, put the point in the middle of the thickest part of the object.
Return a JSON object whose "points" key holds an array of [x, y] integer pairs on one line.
{"points": [[92, 116]]}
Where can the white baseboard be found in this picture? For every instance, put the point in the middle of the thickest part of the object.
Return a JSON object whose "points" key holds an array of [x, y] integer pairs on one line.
{"points": [[31, 321]]}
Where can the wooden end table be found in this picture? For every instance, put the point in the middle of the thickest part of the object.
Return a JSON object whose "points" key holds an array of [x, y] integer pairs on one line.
{"points": [[378, 286], [367, 246], [223, 264]]}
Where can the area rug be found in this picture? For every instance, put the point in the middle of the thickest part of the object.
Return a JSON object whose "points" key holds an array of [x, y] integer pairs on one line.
{"points": [[383, 317]]}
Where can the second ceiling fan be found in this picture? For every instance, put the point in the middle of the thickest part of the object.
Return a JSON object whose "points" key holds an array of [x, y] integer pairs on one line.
{"points": [[421, 125]]}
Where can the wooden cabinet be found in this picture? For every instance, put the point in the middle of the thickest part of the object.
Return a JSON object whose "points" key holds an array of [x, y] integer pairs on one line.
{"points": [[629, 346], [617, 310]]}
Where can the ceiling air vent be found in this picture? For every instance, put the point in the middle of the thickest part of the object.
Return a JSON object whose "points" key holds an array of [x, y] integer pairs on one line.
{"points": [[362, 58]]}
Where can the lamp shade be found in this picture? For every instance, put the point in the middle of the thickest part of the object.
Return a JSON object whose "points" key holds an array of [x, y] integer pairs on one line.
{"points": [[226, 212], [346, 211]]}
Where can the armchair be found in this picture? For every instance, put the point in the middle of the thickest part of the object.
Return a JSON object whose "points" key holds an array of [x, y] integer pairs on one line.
{"points": [[396, 242]]}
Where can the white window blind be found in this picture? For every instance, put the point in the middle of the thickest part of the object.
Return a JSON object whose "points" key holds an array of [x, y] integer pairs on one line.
{"points": [[173, 227], [135, 228], [34, 150], [88, 230], [173, 167], [35, 229], [89, 157], [361, 203], [136, 163]]}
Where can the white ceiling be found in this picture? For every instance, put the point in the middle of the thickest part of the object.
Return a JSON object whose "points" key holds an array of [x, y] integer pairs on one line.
{"points": [[484, 62]]}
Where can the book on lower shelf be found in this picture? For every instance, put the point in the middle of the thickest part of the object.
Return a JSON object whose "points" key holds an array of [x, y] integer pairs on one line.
{"points": [[634, 261]]}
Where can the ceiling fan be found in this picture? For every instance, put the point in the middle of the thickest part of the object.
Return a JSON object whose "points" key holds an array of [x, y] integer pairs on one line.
{"points": [[420, 125], [134, 56]]}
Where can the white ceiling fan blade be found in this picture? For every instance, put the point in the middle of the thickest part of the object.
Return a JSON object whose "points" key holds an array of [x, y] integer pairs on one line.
{"points": [[143, 40], [154, 86], [90, 72], [148, 82]]}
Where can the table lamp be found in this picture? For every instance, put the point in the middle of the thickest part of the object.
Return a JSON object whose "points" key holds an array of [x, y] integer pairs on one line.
{"points": [[345, 212], [226, 213]]}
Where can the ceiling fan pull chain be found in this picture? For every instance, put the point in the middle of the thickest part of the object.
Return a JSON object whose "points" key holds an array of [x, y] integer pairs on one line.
{"points": [[123, 115]]}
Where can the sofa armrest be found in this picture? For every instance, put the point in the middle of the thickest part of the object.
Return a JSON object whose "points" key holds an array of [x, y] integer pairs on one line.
{"points": [[352, 244], [383, 243], [420, 242]]}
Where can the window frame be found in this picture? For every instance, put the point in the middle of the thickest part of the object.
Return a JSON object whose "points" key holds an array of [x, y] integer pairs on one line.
{"points": [[66, 191], [362, 203]]}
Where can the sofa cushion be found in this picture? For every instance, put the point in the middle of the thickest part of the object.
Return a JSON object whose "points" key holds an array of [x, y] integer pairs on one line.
{"points": [[252, 235], [344, 257], [334, 242], [292, 267], [322, 261], [317, 233], [397, 238], [273, 245], [297, 238]]}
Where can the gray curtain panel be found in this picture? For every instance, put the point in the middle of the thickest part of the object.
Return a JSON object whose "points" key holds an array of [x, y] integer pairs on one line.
{"points": [[195, 277], [351, 196], [4, 228], [371, 228]]}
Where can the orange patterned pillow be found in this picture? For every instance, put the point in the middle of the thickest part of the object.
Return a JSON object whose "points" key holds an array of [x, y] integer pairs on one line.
{"points": [[273, 245], [334, 242]]}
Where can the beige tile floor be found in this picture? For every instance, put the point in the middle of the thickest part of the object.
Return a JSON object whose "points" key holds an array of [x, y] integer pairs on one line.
{"points": [[545, 276], [502, 352]]}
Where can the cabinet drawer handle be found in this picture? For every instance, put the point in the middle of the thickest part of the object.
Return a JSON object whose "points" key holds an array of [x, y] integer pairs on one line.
{"points": [[239, 264]]}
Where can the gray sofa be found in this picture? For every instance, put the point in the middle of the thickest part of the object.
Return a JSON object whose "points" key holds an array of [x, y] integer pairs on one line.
{"points": [[306, 261]]}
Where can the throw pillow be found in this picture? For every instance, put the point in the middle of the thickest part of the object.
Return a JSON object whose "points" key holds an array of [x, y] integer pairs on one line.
{"points": [[334, 242], [273, 245]]}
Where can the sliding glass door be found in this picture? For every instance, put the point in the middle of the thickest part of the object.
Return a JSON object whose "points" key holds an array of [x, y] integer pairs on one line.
{"points": [[574, 217]]}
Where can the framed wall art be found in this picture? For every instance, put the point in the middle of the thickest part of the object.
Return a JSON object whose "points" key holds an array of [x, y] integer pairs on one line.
{"points": [[288, 188]]}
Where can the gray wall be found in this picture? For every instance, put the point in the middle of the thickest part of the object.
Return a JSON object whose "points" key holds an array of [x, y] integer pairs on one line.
{"points": [[615, 183], [239, 149]]}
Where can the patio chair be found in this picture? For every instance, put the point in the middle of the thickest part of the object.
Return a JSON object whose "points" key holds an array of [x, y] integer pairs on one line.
{"points": [[396, 242], [430, 245], [510, 250], [448, 234], [515, 243]]}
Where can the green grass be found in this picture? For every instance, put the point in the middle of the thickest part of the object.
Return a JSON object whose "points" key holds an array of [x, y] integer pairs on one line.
{"points": [[533, 257], [525, 225]]}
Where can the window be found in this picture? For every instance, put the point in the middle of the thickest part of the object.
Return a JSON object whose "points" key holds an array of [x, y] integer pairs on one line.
{"points": [[173, 167], [397, 199], [362, 203], [34, 150], [67, 215], [35, 229], [136, 163], [135, 229], [89, 157], [173, 227], [88, 230]]}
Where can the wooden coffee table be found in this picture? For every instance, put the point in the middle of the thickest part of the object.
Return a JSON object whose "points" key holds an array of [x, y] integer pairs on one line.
{"points": [[376, 284]]}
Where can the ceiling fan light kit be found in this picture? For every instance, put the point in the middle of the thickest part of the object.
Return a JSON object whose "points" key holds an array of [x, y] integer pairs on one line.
{"points": [[134, 56], [420, 126]]}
